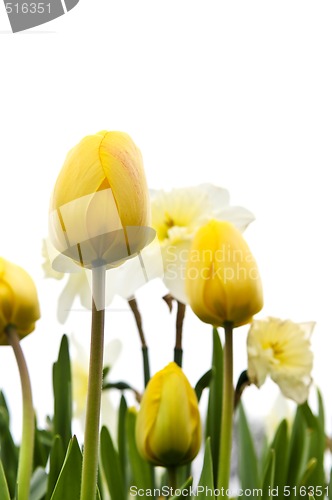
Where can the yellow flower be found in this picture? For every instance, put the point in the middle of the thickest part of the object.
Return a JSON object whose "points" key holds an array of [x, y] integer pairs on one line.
{"points": [[99, 212], [168, 428], [18, 300], [176, 216], [222, 282], [281, 349]]}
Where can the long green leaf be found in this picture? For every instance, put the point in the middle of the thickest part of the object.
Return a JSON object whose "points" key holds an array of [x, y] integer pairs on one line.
{"points": [[8, 449], [38, 484], [4, 491], [268, 476], [69, 483], [62, 393], [213, 420], [184, 489], [111, 466], [57, 457], [206, 480], [142, 472], [248, 465], [280, 445], [122, 443]]}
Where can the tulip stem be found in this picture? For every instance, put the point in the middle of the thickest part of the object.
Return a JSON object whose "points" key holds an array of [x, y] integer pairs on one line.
{"points": [[227, 412], [28, 422], [172, 478], [91, 434], [145, 351], [178, 351]]}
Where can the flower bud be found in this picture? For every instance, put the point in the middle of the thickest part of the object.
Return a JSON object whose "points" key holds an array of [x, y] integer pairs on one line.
{"points": [[222, 279], [18, 300], [168, 427], [100, 212]]}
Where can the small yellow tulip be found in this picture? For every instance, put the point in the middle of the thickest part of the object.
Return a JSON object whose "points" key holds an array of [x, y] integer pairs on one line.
{"points": [[168, 427], [222, 280], [18, 300], [100, 212]]}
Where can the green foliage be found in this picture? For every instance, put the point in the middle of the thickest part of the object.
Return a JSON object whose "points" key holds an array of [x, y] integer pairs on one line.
{"points": [[62, 393], [111, 466], [206, 479], [213, 419]]}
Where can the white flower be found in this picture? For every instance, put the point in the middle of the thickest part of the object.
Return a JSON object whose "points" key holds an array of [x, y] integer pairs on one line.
{"points": [[80, 377], [123, 280], [176, 216], [281, 349]]}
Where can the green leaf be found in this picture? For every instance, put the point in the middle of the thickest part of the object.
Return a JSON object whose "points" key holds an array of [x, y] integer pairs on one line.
{"points": [[280, 445], [38, 484], [248, 465], [213, 419], [8, 449], [111, 466], [122, 438], [203, 383], [57, 457], [62, 393], [4, 491], [184, 488], [206, 479], [298, 449], [268, 476], [69, 482], [142, 472]]}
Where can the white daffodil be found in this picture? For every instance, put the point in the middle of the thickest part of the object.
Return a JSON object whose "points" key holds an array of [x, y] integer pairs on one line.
{"points": [[123, 280], [80, 376], [176, 216], [281, 349]]}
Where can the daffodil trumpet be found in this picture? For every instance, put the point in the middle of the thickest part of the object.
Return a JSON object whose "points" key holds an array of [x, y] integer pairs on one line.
{"points": [[25, 461], [91, 435]]}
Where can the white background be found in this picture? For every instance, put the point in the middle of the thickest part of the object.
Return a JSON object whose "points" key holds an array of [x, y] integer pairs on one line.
{"points": [[233, 93]]}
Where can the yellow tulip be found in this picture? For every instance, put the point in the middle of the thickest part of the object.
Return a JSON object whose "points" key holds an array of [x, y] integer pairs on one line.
{"points": [[222, 279], [100, 212], [18, 300], [168, 427]]}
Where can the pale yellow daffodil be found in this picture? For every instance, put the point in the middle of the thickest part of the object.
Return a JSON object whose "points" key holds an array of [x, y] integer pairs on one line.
{"points": [[281, 349]]}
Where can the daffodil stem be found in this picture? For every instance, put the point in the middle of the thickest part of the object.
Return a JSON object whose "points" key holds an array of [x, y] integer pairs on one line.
{"points": [[227, 412], [28, 422], [91, 434], [145, 351], [178, 351]]}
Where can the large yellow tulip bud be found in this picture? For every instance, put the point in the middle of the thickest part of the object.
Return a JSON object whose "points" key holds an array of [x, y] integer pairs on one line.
{"points": [[222, 279], [168, 427], [100, 212], [19, 305]]}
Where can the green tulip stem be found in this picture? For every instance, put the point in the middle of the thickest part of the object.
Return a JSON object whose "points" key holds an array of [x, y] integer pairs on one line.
{"points": [[172, 479], [227, 412], [91, 434], [28, 422], [145, 351], [178, 351]]}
